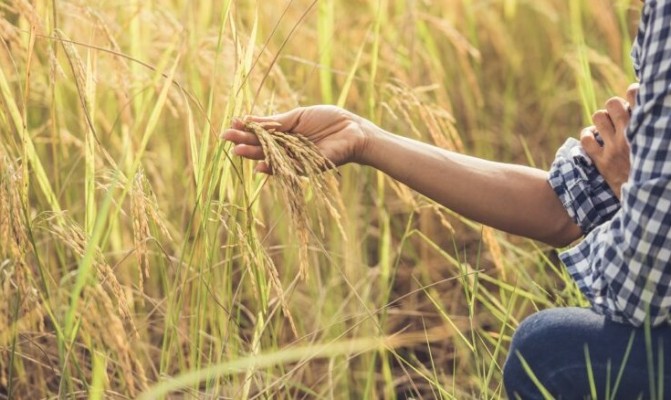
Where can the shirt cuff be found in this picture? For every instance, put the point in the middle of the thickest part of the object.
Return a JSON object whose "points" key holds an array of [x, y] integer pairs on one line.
{"points": [[581, 189]]}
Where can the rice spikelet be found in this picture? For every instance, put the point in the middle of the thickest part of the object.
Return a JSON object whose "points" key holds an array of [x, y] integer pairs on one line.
{"points": [[15, 244], [297, 165], [141, 233], [13, 239], [494, 249], [21, 308], [74, 59], [110, 331], [144, 210], [28, 11], [73, 236], [258, 256]]}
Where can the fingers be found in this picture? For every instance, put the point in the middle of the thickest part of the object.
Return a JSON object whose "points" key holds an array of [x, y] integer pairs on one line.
{"points": [[263, 168], [247, 151], [632, 91], [286, 121], [238, 133], [240, 137], [612, 122], [603, 124], [619, 112], [589, 142], [247, 144], [238, 124], [606, 143]]}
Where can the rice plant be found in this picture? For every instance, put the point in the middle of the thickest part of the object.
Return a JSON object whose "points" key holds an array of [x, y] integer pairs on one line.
{"points": [[139, 258]]}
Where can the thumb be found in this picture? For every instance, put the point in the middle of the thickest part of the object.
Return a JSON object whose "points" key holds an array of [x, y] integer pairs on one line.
{"points": [[285, 122]]}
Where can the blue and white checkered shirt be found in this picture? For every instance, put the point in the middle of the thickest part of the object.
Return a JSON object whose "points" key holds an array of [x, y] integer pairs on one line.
{"points": [[623, 265]]}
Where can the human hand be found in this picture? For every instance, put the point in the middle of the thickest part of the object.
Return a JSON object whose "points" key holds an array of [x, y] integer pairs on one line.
{"points": [[340, 135], [611, 157]]}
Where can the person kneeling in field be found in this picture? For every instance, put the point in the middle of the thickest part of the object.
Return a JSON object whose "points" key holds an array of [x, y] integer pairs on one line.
{"points": [[612, 189]]}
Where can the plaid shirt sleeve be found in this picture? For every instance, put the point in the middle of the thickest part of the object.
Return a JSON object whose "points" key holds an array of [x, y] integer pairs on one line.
{"points": [[623, 266], [582, 190]]}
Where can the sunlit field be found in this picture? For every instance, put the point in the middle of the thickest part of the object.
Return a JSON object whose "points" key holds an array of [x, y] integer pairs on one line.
{"points": [[140, 259]]}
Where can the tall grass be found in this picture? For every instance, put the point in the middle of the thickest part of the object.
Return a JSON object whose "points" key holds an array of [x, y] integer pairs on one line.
{"points": [[139, 258]]}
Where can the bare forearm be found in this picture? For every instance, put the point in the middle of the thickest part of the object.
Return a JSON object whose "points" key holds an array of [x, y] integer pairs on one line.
{"points": [[513, 198]]}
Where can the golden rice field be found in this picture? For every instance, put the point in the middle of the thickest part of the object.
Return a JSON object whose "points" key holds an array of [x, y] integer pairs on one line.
{"points": [[140, 259]]}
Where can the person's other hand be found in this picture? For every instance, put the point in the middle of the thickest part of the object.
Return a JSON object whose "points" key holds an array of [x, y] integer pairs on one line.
{"points": [[338, 133], [611, 156]]}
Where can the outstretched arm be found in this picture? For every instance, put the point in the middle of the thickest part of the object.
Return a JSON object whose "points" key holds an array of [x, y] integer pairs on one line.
{"points": [[513, 198]]}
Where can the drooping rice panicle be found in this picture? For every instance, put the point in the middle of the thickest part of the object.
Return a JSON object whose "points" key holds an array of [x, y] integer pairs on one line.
{"points": [[297, 165]]}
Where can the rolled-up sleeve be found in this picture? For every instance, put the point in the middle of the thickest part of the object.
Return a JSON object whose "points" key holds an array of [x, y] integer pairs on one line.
{"points": [[582, 190]]}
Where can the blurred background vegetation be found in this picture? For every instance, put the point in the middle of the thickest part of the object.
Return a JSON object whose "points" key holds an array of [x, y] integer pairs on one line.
{"points": [[139, 258]]}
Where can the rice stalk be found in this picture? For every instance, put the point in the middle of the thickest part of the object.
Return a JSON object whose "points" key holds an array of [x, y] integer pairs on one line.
{"points": [[326, 35]]}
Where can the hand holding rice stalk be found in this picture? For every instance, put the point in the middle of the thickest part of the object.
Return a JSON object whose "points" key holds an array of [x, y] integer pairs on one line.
{"points": [[297, 165]]}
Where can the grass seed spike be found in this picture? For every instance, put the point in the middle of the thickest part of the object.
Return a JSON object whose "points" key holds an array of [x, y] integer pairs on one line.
{"points": [[298, 165]]}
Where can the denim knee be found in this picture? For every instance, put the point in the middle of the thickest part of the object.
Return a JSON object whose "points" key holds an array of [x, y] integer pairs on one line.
{"points": [[557, 343], [531, 341]]}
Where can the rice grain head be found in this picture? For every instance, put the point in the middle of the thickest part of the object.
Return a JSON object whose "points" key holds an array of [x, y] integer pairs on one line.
{"points": [[103, 322], [27, 10], [259, 256], [71, 234], [13, 237], [141, 233], [22, 312], [144, 214], [298, 165], [15, 245]]}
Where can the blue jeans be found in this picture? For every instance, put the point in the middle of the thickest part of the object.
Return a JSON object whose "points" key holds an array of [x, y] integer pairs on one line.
{"points": [[554, 344]]}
